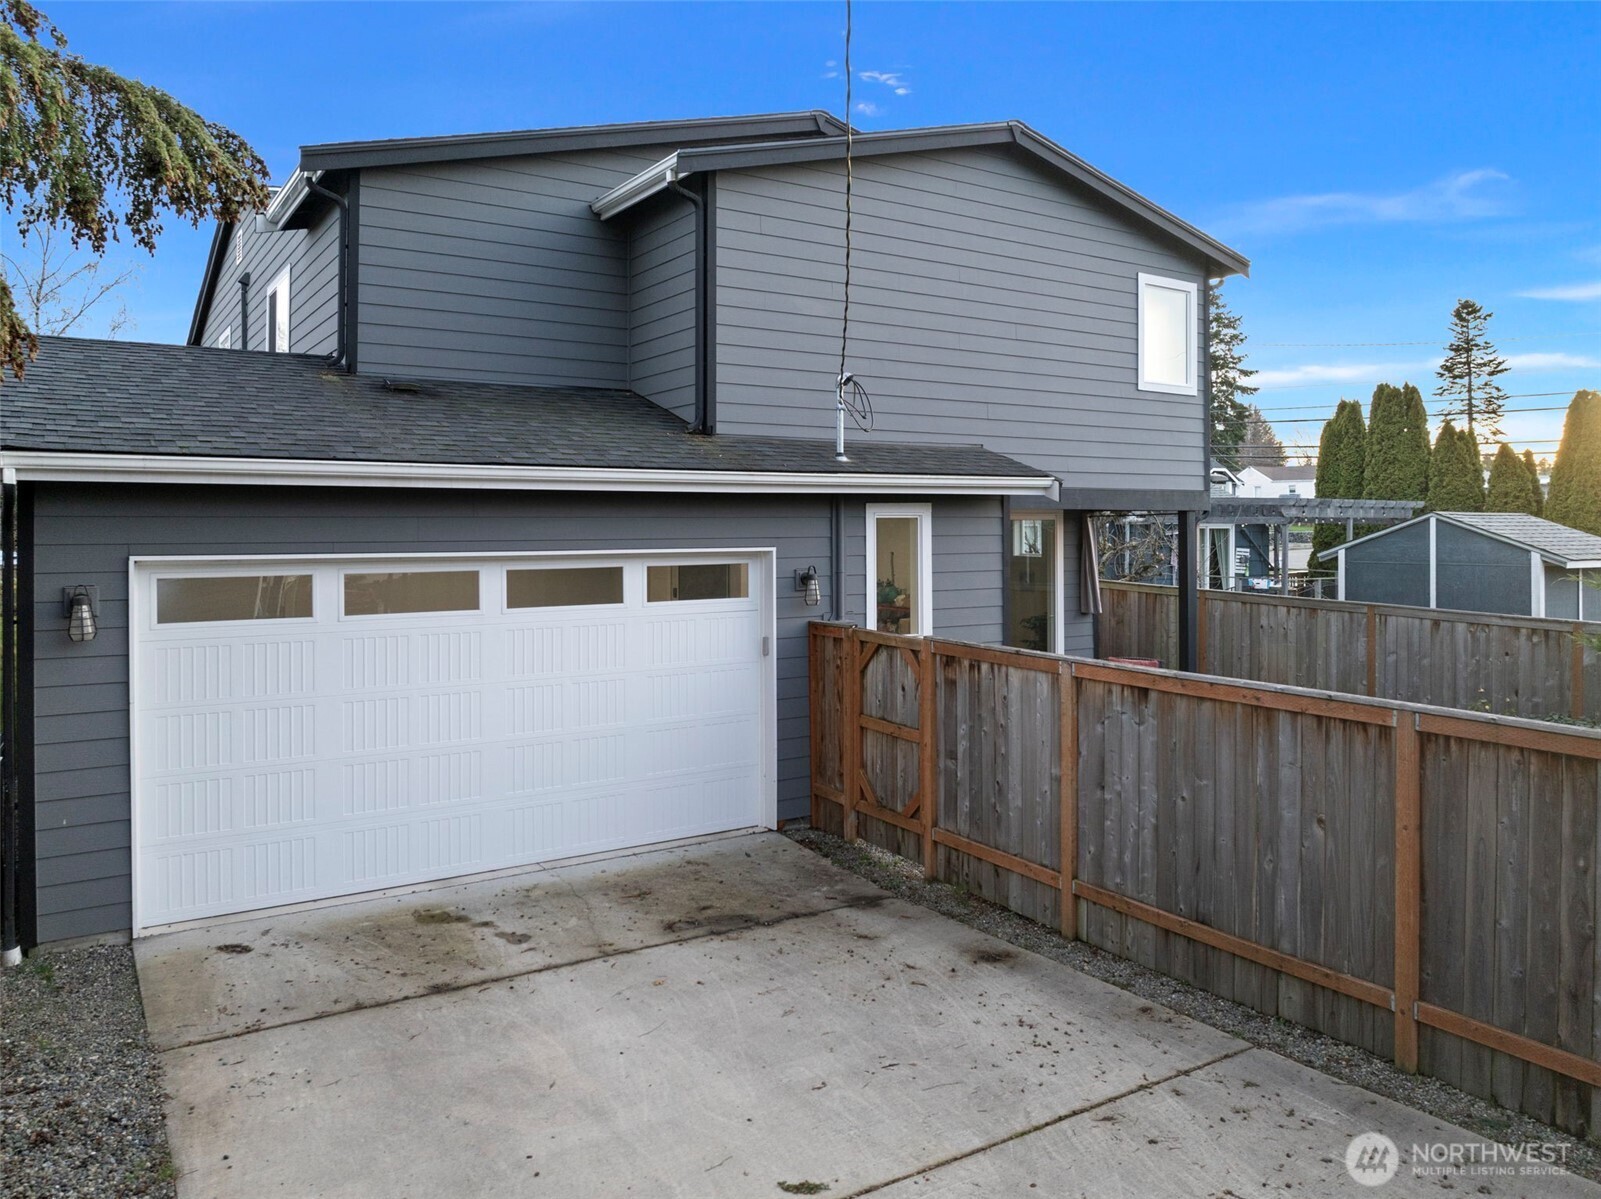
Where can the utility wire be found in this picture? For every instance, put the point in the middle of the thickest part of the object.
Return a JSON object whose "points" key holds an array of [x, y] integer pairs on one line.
{"points": [[1362, 345], [1522, 395], [853, 396]]}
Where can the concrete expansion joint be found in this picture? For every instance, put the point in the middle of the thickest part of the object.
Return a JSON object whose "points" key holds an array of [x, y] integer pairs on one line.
{"points": [[1082, 1110], [867, 901]]}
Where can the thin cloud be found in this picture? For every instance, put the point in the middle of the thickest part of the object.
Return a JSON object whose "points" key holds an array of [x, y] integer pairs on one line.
{"points": [[887, 78], [1338, 372], [1466, 195], [1552, 362], [868, 109], [1572, 291]]}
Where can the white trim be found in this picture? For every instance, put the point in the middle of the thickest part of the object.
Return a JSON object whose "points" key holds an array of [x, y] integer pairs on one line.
{"points": [[1554, 558], [1536, 584], [764, 587], [1434, 562], [924, 515], [1190, 386], [279, 287], [1059, 617], [631, 191], [288, 198], [225, 338], [1339, 574], [1582, 589], [163, 468]]}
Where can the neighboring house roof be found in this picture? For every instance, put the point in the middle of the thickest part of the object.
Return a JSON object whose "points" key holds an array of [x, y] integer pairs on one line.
{"points": [[691, 160], [1286, 474], [86, 397], [1566, 547]]}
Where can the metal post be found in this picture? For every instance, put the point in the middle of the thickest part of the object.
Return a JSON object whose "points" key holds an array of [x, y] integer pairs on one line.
{"points": [[1188, 599], [10, 798]]}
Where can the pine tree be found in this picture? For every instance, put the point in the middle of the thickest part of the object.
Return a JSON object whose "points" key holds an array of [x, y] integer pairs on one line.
{"points": [[1509, 484], [1456, 477], [1536, 492], [1468, 374], [1397, 466], [1262, 446], [1575, 497], [1227, 373], [1341, 458]]}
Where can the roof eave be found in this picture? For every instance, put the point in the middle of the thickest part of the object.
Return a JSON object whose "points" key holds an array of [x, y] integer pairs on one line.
{"points": [[215, 258]]}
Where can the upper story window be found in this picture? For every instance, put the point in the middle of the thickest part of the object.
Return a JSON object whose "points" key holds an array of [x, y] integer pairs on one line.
{"points": [[1168, 350], [278, 315]]}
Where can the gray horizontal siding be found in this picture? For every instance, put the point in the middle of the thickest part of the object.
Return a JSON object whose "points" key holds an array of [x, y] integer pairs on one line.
{"points": [[312, 256], [1481, 574], [989, 302], [1390, 570], [87, 534], [661, 304], [496, 270]]}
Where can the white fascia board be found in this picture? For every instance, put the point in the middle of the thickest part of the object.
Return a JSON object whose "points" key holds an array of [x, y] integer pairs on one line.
{"points": [[631, 191], [289, 197], [153, 468]]}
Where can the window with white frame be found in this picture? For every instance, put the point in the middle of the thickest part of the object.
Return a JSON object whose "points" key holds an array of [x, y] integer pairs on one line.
{"points": [[900, 571], [278, 315], [1168, 345], [225, 338]]}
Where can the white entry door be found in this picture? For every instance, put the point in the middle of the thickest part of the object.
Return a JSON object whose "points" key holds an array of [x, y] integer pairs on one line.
{"points": [[311, 728]]}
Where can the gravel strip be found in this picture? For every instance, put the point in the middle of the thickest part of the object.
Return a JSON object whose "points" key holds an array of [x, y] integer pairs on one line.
{"points": [[80, 1087], [1347, 1063]]}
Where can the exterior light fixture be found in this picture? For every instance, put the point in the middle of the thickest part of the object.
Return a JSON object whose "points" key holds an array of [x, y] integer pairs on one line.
{"points": [[806, 580], [81, 612]]}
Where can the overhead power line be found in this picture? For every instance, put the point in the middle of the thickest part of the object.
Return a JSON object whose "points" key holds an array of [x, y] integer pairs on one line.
{"points": [[1368, 345], [1522, 395]]}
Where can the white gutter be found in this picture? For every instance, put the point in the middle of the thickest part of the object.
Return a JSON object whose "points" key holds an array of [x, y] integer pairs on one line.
{"points": [[282, 472], [629, 192], [288, 198]]}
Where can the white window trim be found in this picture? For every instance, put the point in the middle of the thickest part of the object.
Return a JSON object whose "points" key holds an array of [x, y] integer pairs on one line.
{"points": [[1192, 367], [924, 514], [1059, 519], [225, 338], [280, 286]]}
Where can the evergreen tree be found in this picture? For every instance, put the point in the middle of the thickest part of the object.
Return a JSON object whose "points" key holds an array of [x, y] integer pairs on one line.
{"points": [[1261, 446], [1397, 466], [1456, 477], [1536, 492], [1575, 498], [89, 151], [1468, 374], [1227, 373], [1509, 484], [1341, 458]]}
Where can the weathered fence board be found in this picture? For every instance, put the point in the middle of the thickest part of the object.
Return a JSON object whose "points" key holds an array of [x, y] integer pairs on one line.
{"points": [[1509, 665], [1418, 881]]}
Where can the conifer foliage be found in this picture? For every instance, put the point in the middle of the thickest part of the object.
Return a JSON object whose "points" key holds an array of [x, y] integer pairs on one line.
{"points": [[1510, 484], [1228, 377], [1575, 497], [1341, 462], [1397, 463], [1468, 374], [1456, 476]]}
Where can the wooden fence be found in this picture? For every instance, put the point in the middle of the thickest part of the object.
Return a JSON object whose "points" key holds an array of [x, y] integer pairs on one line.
{"points": [[1514, 666], [1416, 881]]}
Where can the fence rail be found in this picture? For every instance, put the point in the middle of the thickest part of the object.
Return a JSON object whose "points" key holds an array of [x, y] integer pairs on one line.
{"points": [[1417, 881], [1518, 666]]}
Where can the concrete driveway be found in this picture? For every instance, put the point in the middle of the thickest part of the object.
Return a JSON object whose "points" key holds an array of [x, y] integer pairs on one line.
{"points": [[721, 1019]]}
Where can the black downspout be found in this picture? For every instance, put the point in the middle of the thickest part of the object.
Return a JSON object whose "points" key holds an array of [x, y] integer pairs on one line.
{"points": [[705, 422], [244, 311], [10, 777], [341, 354], [1188, 598], [836, 541], [1006, 570]]}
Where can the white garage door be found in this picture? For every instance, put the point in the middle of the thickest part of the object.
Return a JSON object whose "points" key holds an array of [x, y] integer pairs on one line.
{"points": [[305, 729]]}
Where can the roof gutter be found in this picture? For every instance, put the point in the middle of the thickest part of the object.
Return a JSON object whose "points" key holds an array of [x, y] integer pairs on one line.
{"points": [[625, 195], [37, 465]]}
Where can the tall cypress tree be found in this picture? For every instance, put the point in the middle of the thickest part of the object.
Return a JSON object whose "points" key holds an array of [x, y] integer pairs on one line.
{"points": [[1509, 484], [1341, 461], [1397, 465], [1456, 476], [1575, 497], [1536, 492]]}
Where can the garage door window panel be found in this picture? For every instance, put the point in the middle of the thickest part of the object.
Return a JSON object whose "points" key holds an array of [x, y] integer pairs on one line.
{"points": [[203, 600], [392, 593], [697, 581], [564, 587]]}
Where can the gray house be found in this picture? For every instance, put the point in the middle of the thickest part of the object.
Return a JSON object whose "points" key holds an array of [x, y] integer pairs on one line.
{"points": [[1477, 562], [480, 521]]}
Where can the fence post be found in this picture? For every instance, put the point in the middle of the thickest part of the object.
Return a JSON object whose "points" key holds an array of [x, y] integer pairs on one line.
{"points": [[927, 748], [1373, 650], [1067, 797], [814, 700], [1408, 887], [851, 737], [1201, 638], [1576, 700]]}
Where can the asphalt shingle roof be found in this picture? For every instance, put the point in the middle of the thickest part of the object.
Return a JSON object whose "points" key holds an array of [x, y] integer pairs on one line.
{"points": [[111, 397], [1546, 536]]}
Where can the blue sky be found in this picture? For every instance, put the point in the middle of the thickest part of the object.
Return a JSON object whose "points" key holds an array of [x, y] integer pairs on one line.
{"points": [[1376, 162]]}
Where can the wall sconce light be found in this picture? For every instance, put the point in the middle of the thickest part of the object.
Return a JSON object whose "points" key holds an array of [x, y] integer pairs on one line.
{"points": [[81, 606], [806, 580]]}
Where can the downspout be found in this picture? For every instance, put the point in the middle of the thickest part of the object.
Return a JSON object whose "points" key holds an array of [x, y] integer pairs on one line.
{"points": [[341, 355], [703, 417], [10, 789], [244, 311], [836, 541]]}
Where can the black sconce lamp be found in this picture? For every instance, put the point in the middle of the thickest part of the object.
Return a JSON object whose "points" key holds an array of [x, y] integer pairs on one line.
{"points": [[81, 606], [806, 580]]}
